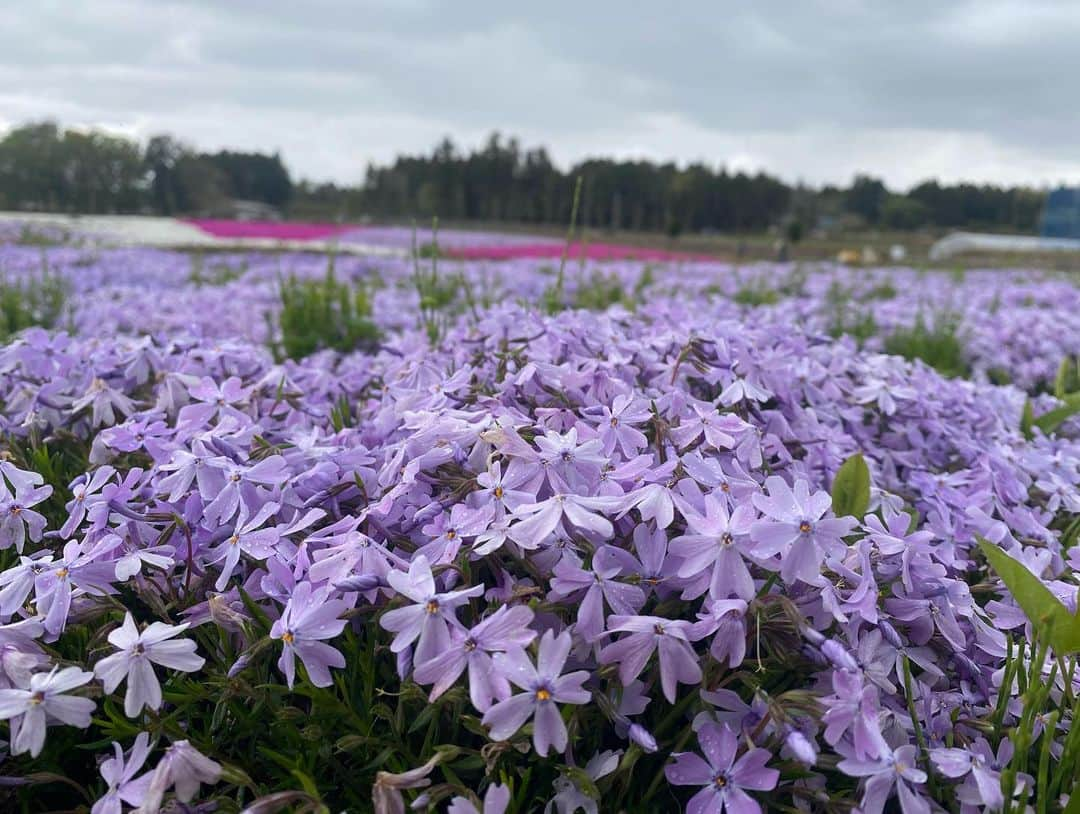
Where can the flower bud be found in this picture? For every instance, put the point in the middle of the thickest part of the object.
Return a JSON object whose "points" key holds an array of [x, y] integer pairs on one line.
{"points": [[838, 655], [642, 737], [358, 582], [888, 632], [238, 666], [801, 748]]}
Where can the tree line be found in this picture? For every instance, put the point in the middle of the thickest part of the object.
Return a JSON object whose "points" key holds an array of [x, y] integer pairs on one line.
{"points": [[46, 167]]}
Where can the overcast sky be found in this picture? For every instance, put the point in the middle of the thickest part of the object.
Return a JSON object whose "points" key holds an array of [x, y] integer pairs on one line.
{"points": [[808, 89]]}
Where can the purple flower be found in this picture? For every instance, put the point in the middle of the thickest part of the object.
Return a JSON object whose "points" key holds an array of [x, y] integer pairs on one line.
{"points": [[720, 429], [544, 688], [617, 426], [893, 771], [138, 651], [183, 768], [104, 399], [501, 490], [854, 709], [236, 482], [20, 655], [214, 400], [570, 465], [84, 493], [429, 618], [310, 617], [496, 799], [742, 390], [506, 629], [543, 517], [726, 618], [119, 773], [720, 540], [76, 573], [883, 393], [248, 538], [724, 779], [678, 662], [450, 531], [42, 701], [599, 584], [795, 530], [981, 769], [569, 797], [17, 517], [135, 553]]}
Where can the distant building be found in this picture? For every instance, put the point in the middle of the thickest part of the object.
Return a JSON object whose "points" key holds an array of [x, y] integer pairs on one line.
{"points": [[1061, 216], [1059, 231]]}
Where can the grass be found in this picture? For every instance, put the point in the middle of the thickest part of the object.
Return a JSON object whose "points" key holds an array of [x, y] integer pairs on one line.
{"points": [[846, 317], [324, 313], [32, 235], [34, 301], [217, 274], [440, 295], [755, 295], [938, 345]]}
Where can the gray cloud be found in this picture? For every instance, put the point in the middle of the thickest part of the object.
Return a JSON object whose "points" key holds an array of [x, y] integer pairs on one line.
{"points": [[813, 90]]}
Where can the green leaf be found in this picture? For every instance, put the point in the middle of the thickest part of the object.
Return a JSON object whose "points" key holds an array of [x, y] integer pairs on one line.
{"points": [[236, 776], [1050, 619], [1068, 378], [1049, 422], [1027, 419], [307, 783], [262, 621], [851, 488]]}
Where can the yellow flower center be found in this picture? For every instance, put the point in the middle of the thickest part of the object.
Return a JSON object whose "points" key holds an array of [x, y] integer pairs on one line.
{"points": [[287, 637], [543, 695], [805, 527], [432, 607]]}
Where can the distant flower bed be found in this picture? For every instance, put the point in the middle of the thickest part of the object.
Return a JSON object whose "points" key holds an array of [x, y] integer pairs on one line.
{"points": [[271, 230]]}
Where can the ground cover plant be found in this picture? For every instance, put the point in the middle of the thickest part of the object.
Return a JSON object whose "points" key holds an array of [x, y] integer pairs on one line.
{"points": [[634, 542]]}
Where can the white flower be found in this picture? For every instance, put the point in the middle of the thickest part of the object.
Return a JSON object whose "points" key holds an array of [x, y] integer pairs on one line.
{"points": [[133, 662], [42, 702]]}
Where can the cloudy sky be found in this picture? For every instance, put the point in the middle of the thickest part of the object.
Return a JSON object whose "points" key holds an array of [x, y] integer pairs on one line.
{"points": [[808, 89]]}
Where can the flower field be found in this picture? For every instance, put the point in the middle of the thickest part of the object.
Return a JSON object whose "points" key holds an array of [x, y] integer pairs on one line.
{"points": [[283, 532]]}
